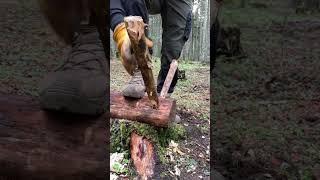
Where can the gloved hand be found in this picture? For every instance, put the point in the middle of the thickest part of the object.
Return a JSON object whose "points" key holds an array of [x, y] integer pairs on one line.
{"points": [[122, 40]]}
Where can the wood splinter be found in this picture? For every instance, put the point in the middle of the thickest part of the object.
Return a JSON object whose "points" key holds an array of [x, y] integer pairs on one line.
{"points": [[135, 28]]}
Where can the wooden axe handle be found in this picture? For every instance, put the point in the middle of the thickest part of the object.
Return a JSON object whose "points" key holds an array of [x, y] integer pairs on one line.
{"points": [[169, 78]]}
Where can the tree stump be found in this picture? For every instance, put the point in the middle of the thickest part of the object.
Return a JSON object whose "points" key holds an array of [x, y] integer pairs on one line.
{"points": [[35, 144], [229, 42]]}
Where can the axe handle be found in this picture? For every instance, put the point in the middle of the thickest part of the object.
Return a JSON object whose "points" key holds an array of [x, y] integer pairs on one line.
{"points": [[169, 78]]}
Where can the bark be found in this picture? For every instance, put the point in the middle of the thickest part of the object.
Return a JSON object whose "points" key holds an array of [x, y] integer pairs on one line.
{"points": [[136, 31], [140, 110], [41, 145]]}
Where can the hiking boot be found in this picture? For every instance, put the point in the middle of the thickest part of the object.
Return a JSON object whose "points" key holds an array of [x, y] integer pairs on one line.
{"points": [[80, 84], [135, 88]]}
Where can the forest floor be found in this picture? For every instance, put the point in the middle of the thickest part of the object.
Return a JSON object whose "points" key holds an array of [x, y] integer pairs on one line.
{"points": [[29, 49], [266, 109]]}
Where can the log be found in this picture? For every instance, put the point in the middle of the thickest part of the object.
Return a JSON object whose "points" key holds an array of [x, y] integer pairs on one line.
{"points": [[136, 31], [46, 145], [140, 110]]}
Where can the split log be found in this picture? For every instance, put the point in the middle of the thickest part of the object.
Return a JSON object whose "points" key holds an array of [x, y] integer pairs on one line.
{"points": [[143, 156], [136, 27], [140, 110], [41, 145]]}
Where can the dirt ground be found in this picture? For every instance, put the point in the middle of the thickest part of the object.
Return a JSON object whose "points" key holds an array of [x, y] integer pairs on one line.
{"points": [[266, 106], [29, 49]]}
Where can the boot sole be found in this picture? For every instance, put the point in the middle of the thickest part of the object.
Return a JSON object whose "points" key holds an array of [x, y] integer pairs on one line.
{"points": [[66, 102]]}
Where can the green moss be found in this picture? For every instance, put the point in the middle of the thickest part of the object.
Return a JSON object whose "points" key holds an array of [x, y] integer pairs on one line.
{"points": [[121, 131], [177, 132], [120, 138]]}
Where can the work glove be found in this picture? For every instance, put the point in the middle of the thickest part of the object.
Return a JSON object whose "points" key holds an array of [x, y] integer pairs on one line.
{"points": [[122, 40]]}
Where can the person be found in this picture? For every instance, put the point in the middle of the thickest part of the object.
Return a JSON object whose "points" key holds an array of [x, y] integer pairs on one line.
{"points": [[176, 25], [79, 85]]}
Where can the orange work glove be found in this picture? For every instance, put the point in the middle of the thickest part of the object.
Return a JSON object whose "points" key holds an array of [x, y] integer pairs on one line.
{"points": [[122, 40]]}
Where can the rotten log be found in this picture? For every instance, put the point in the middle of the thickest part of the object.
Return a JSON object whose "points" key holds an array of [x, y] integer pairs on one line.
{"points": [[143, 156], [35, 144], [140, 110], [136, 31]]}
